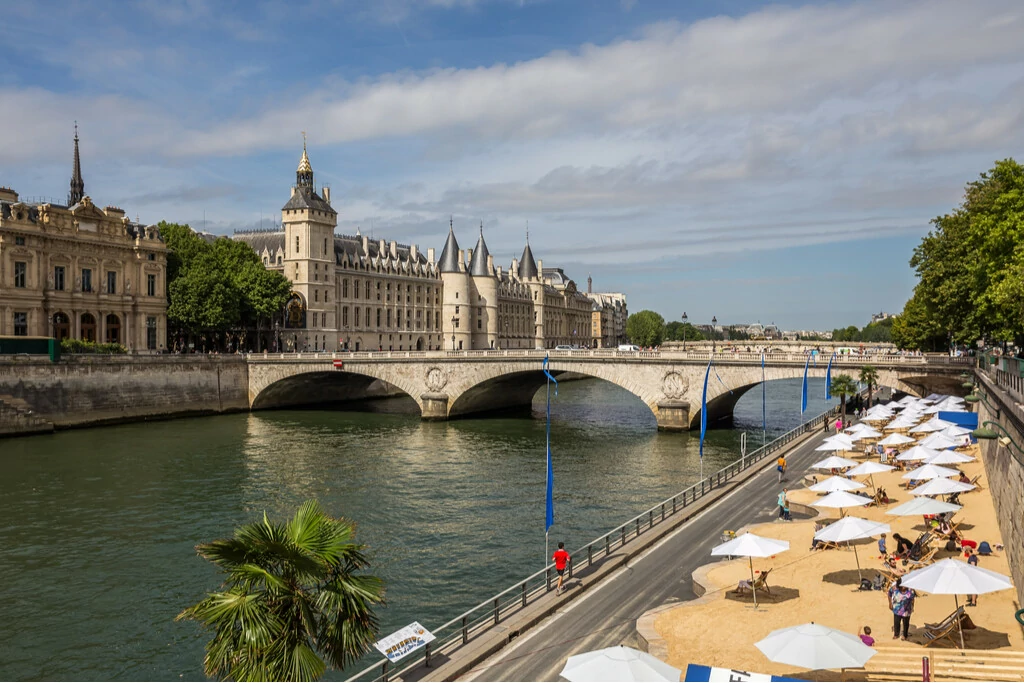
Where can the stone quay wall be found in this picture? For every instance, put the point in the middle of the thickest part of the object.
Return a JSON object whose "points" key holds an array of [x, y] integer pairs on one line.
{"points": [[1004, 466], [89, 390]]}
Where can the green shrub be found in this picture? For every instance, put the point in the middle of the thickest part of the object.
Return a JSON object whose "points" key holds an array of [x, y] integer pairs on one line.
{"points": [[69, 345]]}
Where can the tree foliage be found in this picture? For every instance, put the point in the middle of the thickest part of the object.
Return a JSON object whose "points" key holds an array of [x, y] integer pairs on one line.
{"points": [[876, 332], [645, 328], [218, 285], [294, 599], [842, 386], [674, 332], [971, 268], [869, 377]]}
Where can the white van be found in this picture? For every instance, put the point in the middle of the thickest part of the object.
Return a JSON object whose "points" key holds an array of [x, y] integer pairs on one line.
{"points": [[563, 347], [628, 347]]}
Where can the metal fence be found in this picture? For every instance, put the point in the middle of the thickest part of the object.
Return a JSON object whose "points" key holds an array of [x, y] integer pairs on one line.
{"points": [[491, 612]]}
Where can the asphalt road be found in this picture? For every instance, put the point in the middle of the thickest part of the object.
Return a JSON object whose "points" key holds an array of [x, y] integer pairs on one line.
{"points": [[607, 616]]}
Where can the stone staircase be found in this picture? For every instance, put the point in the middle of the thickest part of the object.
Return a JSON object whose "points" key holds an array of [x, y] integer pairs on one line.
{"points": [[17, 418], [895, 663]]}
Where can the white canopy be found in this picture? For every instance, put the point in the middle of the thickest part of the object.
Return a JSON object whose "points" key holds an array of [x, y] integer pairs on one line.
{"points": [[839, 442], [866, 434], [922, 505], [955, 577], [841, 499], [851, 528], [836, 484], [901, 422], [948, 458], [751, 545], [930, 472], [917, 453], [955, 432], [941, 487], [925, 427], [619, 663], [939, 442], [869, 467], [834, 462], [813, 646], [896, 440]]}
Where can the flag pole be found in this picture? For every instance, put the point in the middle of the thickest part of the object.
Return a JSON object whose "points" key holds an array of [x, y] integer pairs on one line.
{"points": [[549, 512], [704, 416]]}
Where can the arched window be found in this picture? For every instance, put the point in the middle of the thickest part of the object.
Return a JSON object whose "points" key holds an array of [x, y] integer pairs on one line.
{"points": [[88, 326], [61, 326], [113, 329]]}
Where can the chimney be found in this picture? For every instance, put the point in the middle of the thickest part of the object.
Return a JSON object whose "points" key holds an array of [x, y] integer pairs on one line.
{"points": [[514, 268], [413, 253], [430, 254], [540, 268], [366, 245], [394, 249], [327, 194], [382, 249], [462, 262], [498, 272], [490, 263], [293, 191]]}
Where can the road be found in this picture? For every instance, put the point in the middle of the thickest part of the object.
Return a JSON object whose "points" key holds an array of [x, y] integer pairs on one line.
{"points": [[607, 616]]}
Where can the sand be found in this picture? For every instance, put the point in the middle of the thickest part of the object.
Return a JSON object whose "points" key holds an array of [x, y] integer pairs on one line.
{"points": [[720, 628]]}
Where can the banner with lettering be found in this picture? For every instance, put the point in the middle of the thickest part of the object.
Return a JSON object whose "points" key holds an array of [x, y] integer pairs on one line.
{"points": [[696, 672], [403, 641]]}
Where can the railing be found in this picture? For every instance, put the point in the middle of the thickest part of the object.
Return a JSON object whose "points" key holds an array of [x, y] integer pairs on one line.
{"points": [[726, 358], [489, 613]]}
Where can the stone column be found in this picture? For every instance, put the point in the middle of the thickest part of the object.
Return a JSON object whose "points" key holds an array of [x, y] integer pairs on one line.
{"points": [[435, 407], [674, 416]]}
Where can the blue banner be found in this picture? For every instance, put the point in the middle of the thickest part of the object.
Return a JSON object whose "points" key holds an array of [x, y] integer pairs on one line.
{"points": [[697, 672], [704, 409], [803, 392], [828, 378], [549, 515]]}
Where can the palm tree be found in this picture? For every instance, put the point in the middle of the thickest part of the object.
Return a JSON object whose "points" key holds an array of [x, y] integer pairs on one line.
{"points": [[869, 376], [844, 386], [293, 597]]}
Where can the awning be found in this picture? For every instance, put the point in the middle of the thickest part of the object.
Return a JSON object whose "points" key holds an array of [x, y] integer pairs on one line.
{"points": [[969, 420]]}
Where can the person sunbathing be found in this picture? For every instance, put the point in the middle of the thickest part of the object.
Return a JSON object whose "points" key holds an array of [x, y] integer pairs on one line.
{"points": [[963, 478]]}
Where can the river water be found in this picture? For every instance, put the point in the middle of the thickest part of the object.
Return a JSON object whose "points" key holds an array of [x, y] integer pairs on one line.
{"points": [[98, 526]]}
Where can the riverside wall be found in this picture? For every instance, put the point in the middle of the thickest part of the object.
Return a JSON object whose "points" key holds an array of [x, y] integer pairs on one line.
{"points": [[1004, 466], [91, 390]]}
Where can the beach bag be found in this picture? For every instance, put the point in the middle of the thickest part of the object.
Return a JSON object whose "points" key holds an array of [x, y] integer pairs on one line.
{"points": [[984, 548], [865, 585], [951, 546]]}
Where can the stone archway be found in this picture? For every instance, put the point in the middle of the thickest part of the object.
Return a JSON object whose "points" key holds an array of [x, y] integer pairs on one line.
{"points": [[419, 344], [88, 327]]}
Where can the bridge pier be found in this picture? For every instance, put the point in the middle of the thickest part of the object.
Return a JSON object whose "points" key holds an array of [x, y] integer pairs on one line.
{"points": [[673, 416], [435, 407]]}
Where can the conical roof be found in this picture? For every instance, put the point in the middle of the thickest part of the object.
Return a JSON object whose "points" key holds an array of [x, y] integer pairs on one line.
{"points": [[77, 184], [527, 265], [478, 267], [449, 262]]}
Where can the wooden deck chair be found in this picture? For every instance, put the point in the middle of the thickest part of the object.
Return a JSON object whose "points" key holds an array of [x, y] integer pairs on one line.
{"points": [[949, 632], [924, 561], [950, 619], [760, 585], [976, 481]]}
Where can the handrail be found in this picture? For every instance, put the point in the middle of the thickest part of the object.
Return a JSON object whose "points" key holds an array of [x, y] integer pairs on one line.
{"points": [[479, 619]]}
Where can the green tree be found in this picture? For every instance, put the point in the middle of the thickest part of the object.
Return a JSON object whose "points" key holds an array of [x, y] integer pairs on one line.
{"points": [[294, 595], [203, 296], [843, 386], [675, 329], [869, 377], [645, 328]]}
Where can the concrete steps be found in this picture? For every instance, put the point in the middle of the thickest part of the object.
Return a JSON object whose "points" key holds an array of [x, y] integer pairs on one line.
{"points": [[895, 663], [17, 418]]}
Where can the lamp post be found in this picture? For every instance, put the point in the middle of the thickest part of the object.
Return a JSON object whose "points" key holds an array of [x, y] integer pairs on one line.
{"points": [[454, 319], [684, 330], [992, 430], [277, 337], [506, 333], [49, 326], [714, 324]]}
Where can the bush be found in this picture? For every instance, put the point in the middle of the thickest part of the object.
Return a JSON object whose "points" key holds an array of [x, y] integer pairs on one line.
{"points": [[69, 345]]}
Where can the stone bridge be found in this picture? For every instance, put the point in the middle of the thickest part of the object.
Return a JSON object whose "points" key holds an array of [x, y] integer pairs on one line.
{"points": [[446, 384]]}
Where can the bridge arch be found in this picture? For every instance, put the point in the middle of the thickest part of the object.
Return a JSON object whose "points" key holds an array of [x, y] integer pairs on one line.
{"points": [[288, 384]]}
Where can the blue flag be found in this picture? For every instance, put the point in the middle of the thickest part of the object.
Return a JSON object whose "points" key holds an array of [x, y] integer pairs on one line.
{"points": [[803, 393], [828, 379], [704, 410], [549, 516]]}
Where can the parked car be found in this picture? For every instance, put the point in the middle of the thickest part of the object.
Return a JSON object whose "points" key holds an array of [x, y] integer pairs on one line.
{"points": [[628, 347], [563, 347]]}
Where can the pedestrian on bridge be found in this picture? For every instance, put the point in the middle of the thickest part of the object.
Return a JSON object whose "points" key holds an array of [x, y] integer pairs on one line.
{"points": [[780, 465], [561, 558]]}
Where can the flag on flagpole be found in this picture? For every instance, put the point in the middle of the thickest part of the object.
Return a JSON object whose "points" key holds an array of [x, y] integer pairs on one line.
{"points": [[549, 515], [764, 402], [704, 411], [803, 393], [828, 378]]}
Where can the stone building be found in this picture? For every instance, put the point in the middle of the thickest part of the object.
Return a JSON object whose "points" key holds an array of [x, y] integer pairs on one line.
{"points": [[608, 318], [76, 270], [351, 293]]}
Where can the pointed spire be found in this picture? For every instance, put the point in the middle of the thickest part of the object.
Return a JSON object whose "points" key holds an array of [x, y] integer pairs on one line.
{"points": [[449, 262], [478, 268], [304, 173], [527, 264], [77, 184]]}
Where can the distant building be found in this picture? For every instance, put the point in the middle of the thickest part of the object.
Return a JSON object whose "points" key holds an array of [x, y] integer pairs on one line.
{"points": [[880, 316], [75, 270]]}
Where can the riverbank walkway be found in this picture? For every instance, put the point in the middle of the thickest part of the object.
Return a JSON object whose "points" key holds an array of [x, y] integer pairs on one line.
{"points": [[606, 615]]}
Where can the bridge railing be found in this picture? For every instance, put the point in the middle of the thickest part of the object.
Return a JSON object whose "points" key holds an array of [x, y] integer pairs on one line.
{"points": [[478, 620], [725, 357]]}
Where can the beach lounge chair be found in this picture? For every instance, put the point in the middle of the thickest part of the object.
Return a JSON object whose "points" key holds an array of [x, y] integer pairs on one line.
{"points": [[760, 585], [925, 560], [976, 481], [948, 629]]}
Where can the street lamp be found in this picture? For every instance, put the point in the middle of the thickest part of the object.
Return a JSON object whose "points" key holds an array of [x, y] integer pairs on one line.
{"points": [[506, 334], [714, 324], [992, 430], [454, 319], [49, 325], [277, 336], [684, 330]]}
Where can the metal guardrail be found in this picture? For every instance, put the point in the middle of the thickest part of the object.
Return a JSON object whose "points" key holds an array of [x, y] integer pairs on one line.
{"points": [[491, 612]]}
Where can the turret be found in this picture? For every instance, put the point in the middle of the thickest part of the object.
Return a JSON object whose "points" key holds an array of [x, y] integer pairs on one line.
{"points": [[457, 302], [485, 303]]}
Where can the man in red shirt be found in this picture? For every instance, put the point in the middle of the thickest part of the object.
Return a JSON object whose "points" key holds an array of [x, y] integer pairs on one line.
{"points": [[561, 558]]}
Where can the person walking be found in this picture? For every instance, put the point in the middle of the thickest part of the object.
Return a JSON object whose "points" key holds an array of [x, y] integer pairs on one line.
{"points": [[783, 502], [901, 601], [780, 465], [562, 559]]}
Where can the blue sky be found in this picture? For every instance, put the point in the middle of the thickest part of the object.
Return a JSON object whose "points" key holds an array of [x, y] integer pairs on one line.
{"points": [[751, 161]]}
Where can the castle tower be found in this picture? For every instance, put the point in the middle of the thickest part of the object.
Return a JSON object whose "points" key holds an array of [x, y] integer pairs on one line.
{"points": [[530, 274], [485, 301], [309, 221], [456, 303], [77, 184]]}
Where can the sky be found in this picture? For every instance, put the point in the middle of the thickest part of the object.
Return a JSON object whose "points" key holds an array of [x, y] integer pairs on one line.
{"points": [[742, 160]]}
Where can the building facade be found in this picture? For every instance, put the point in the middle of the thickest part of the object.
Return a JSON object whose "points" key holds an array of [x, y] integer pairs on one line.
{"points": [[79, 271], [352, 293]]}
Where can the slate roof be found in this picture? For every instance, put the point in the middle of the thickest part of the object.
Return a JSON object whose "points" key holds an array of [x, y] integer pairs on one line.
{"points": [[350, 245], [306, 198], [449, 262], [478, 267], [527, 265]]}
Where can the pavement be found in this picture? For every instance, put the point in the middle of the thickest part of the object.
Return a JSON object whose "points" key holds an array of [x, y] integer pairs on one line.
{"points": [[606, 615]]}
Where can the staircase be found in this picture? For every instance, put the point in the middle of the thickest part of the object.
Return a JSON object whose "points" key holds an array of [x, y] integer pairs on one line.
{"points": [[17, 418], [895, 663]]}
